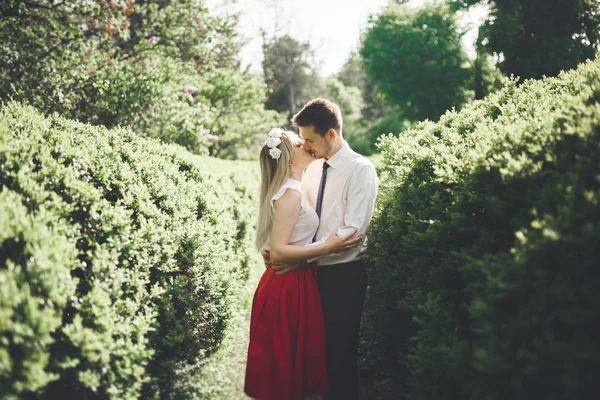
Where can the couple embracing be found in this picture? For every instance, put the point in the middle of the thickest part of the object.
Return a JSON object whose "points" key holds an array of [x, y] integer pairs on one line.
{"points": [[316, 201]]}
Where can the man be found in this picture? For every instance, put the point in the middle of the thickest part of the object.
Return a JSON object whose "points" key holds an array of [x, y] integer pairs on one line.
{"points": [[342, 186]]}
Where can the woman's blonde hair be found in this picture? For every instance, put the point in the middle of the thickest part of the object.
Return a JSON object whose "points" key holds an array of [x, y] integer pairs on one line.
{"points": [[274, 173]]}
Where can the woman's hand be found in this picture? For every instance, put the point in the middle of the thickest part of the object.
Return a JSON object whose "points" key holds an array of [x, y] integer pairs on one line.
{"points": [[266, 255], [335, 243]]}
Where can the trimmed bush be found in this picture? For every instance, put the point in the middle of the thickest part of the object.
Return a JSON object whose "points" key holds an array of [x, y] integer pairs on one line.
{"points": [[119, 257], [485, 247], [35, 286]]}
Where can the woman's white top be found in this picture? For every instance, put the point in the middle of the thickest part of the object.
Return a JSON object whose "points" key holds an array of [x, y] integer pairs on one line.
{"points": [[307, 222]]}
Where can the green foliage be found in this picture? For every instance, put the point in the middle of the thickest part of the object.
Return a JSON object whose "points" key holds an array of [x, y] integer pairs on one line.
{"points": [[360, 103], [239, 118], [220, 112], [485, 246], [122, 62], [119, 257], [542, 37], [350, 101], [36, 285], [76, 52], [353, 74], [289, 74], [43, 46], [487, 78], [393, 122], [415, 58]]}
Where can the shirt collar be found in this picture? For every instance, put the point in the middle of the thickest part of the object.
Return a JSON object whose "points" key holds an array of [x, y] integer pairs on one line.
{"points": [[338, 158]]}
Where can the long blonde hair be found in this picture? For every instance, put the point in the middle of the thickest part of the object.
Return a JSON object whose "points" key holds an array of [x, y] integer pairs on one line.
{"points": [[274, 173]]}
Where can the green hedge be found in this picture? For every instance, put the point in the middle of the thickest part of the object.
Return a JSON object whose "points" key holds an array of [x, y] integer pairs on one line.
{"points": [[485, 247], [119, 258]]}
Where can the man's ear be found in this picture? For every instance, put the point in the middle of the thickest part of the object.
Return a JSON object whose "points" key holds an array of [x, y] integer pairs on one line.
{"points": [[332, 134]]}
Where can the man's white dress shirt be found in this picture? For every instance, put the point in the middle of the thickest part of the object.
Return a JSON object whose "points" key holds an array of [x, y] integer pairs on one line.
{"points": [[348, 199]]}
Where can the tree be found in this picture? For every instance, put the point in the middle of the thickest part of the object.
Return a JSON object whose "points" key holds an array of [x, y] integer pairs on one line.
{"points": [[350, 100], [289, 73], [540, 37], [366, 115], [47, 48], [416, 59], [167, 68], [486, 76], [64, 56], [353, 74]]}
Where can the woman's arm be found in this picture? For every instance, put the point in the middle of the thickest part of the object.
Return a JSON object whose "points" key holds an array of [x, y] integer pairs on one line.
{"points": [[287, 209]]}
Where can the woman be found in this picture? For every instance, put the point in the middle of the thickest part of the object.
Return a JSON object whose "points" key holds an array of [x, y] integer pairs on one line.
{"points": [[286, 354]]}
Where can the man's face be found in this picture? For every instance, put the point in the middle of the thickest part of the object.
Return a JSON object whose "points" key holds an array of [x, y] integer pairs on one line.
{"points": [[318, 146]]}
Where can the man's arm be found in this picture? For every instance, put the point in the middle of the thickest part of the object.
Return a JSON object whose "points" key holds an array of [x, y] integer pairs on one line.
{"points": [[284, 221], [360, 201], [361, 195]]}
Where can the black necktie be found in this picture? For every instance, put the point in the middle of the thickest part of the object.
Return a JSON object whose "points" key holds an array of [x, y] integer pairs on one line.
{"points": [[320, 196]]}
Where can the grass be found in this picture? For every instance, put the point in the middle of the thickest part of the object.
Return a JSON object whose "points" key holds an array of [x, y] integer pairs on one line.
{"points": [[223, 376]]}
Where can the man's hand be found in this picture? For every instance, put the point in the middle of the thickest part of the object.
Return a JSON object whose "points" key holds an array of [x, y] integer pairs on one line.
{"points": [[284, 268], [281, 268]]}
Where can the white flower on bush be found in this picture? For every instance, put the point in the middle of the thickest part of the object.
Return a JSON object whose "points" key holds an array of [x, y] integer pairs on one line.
{"points": [[273, 142], [275, 153]]}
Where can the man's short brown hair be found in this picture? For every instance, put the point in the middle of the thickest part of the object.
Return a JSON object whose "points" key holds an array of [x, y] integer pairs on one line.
{"points": [[320, 113]]}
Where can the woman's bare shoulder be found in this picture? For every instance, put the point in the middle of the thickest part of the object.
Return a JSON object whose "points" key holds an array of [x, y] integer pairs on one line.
{"points": [[290, 198]]}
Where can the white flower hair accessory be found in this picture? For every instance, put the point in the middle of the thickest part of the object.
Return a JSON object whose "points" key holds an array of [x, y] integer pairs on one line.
{"points": [[275, 153], [274, 141], [276, 133]]}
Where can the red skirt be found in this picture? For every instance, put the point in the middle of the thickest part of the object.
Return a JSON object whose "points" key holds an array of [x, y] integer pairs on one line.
{"points": [[286, 354]]}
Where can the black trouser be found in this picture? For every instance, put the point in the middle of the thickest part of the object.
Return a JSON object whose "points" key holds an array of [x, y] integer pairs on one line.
{"points": [[342, 288]]}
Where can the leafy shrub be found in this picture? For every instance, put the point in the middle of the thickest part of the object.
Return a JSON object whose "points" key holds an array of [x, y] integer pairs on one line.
{"points": [[485, 246], [119, 257], [36, 284]]}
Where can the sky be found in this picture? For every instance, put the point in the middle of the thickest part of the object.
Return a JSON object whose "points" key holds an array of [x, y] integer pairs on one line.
{"points": [[332, 26]]}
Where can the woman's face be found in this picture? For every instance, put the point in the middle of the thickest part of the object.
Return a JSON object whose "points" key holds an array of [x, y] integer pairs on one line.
{"points": [[301, 158]]}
